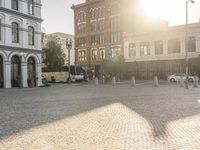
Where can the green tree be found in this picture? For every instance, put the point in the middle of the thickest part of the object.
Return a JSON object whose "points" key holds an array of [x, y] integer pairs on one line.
{"points": [[53, 55], [113, 66]]}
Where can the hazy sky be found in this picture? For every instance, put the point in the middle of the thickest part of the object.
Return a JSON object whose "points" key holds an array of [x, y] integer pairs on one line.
{"points": [[58, 15]]}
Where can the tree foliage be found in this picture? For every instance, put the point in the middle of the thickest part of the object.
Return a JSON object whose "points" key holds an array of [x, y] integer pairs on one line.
{"points": [[113, 66], [53, 55]]}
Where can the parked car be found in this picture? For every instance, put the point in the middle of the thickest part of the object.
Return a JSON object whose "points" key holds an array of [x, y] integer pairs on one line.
{"points": [[177, 77]]}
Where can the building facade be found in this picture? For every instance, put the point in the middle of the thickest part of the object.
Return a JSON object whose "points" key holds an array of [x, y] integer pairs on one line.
{"points": [[99, 27], [162, 52], [20, 43], [61, 38]]}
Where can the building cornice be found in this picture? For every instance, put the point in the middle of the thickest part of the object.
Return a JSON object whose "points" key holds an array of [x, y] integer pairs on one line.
{"points": [[85, 3], [13, 12], [3, 47]]}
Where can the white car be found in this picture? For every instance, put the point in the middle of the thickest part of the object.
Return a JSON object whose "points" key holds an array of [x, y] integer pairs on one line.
{"points": [[177, 77]]}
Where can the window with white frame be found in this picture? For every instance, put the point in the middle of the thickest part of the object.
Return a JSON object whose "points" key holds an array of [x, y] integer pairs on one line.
{"points": [[144, 48], [94, 54], [116, 51], [15, 4], [132, 50], [192, 44], [102, 53], [15, 32], [30, 7], [31, 35], [82, 56], [158, 47]]}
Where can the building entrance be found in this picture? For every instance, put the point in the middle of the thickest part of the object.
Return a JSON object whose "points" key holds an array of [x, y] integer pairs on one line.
{"points": [[15, 71]]}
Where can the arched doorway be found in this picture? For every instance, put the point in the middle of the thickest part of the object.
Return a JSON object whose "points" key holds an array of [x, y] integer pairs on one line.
{"points": [[1, 72], [15, 71], [31, 72]]}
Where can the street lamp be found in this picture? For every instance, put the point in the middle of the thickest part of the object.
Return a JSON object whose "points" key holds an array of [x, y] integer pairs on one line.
{"points": [[186, 41], [69, 46]]}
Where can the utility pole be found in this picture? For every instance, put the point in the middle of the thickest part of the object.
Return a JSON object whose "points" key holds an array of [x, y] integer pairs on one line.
{"points": [[69, 46], [186, 44]]}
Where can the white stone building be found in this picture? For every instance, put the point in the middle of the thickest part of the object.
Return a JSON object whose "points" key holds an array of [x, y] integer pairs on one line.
{"points": [[20, 42], [162, 52], [61, 37]]}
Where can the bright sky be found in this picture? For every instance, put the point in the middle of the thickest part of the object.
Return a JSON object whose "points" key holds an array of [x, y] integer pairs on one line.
{"points": [[58, 15]]}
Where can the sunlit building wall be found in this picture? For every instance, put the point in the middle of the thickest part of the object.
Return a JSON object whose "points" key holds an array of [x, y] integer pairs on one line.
{"points": [[20, 43], [162, 52], [99, 29]]}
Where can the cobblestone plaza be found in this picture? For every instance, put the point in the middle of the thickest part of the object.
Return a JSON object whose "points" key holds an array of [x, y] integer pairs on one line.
{"points": [[89, 117]]}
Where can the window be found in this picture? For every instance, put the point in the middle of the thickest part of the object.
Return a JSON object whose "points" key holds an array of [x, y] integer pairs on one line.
{"points": [[15, 4], [15, 32], [81, 17], [101, 39], [191, 44], [114, 23], [82, 55], [30, 7], [132, 50], [0, 30], [94, 54], [158, 47], [102, 53], [31, 35], [144, 48], [174, 46], [93, 26], [101, 25], [116, 51], [94, 40], [115, 37], [81, 28], [101, 12], [81, 42]]}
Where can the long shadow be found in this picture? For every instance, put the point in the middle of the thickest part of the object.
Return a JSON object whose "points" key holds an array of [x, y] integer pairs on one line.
{"points": [[27, 109]]}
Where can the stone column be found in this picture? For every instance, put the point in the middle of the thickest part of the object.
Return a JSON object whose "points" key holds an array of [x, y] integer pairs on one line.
{"points": [[165, 47], [152, 49], [39, 74], [24, 73], [7, 74], [137, 45], [126, 50]]}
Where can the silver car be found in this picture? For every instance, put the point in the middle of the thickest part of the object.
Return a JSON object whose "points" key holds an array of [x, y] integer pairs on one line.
{"points": [[177, 77]]}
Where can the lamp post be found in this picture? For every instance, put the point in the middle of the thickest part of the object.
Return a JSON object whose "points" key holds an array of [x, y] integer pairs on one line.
{"points": [[69, 46], [186, 46]]}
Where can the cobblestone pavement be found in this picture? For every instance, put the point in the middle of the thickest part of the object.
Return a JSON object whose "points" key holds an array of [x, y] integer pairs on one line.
{"points": [[89, 117]]}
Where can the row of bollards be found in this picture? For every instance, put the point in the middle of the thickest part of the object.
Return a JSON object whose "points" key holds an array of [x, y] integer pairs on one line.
{"points": [[155, 82]]}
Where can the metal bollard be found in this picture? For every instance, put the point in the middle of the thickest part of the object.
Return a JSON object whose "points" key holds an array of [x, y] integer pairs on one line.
{"points": [[133, 81], [119, 81], [103, 80], [181, 82], [113, 81], [155, 81], [96, 81], [196, 82]]}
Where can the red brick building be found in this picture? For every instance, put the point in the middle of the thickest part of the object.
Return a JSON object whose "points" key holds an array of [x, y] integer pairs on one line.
{"points": [[99, 28]]}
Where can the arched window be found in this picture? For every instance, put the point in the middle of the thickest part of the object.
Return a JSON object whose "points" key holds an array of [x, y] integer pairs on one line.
{"points": [[15, 4], [30, 7], [30, 35], [15, 32], [81, 16]]}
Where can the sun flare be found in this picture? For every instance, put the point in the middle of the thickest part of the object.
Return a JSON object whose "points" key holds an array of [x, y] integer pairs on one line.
{"points": [[163, 9]]}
